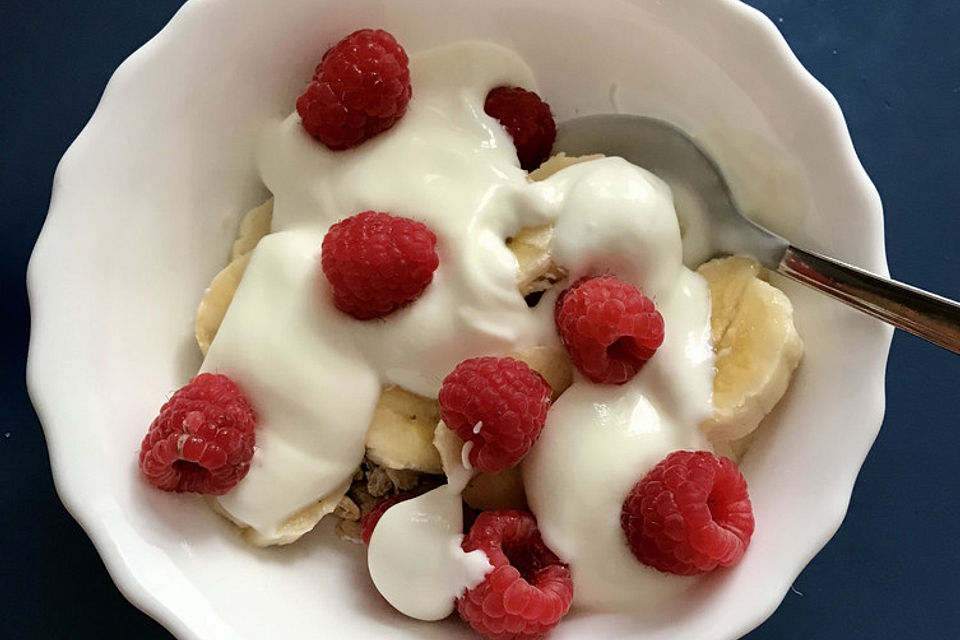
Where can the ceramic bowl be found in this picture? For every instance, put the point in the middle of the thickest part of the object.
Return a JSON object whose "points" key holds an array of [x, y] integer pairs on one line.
{"points": [[146, 202]]}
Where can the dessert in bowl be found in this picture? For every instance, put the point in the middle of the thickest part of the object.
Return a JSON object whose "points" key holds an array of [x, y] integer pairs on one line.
{"points": [[206, 581]]}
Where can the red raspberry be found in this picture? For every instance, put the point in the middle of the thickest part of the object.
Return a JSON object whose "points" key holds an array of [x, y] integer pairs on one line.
{"points": [[527, 119], [528, 590], [360, 88], [377, 263], [689, 515], [609, 328], [202, 440], [369, 521], [497, 404]]}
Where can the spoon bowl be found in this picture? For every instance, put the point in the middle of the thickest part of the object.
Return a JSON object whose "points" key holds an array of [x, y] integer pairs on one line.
{"points": [[713, 225]]}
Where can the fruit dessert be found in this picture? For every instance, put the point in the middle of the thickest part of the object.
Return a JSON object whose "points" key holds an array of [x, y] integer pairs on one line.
{"points": [[489, 364]]}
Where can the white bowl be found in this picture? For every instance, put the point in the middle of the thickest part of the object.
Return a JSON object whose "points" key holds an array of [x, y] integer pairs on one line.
{"points": [[147, 199]]}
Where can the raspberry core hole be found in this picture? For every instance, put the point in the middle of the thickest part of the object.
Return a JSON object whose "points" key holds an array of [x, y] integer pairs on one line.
{"points": [[622, 349], [717, 512], [187, 468], [522, 560]]}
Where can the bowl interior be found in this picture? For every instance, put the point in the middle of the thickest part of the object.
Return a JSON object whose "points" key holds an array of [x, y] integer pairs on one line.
{"points": [[147, 200]]}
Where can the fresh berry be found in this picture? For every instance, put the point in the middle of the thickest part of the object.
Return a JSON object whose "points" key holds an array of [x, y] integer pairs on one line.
{"points": [[377, 263], [496, 405], [360, 88], [689, 515], [528, 590], [527, 119], [609, 328], [369, 521], [202, 440]]}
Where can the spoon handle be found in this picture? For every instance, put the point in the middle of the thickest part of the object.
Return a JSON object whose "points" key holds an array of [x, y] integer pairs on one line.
{"points": [[932, 317]]}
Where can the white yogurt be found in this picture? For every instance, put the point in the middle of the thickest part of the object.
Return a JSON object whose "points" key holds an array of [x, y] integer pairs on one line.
{"points": [[314, 374], [313, 393], [415, 557], [599, 440]]}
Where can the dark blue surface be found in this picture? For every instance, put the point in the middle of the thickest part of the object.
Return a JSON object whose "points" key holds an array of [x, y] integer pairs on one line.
{"points": [[894, 65]]}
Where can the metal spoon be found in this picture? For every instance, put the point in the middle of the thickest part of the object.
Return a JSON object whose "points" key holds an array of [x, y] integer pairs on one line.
{"points": [[669, 153]]}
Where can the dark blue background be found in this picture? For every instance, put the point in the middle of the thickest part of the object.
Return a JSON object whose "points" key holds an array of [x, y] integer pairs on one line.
{"points": [[894, 65]]}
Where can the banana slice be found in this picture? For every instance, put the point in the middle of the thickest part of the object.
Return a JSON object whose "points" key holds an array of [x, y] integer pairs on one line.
{"points": [[727, 279], [501, 490], [216, 299], [401, 432], [295, 526], [254, 225], [504, 489], [536, 269], [757, 346], [556, 162], [213, 306], [531, 245], [550, 362]]}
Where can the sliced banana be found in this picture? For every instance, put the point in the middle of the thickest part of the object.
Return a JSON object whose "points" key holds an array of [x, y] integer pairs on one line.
{"points": [[531, 245], [485, 491], [550, 362], [254, 225], [213, 306], [556, 162], [504, 489], [756, 343], [295, 526], [401, 432], [727, 279], [216, 299], [536, 270]]}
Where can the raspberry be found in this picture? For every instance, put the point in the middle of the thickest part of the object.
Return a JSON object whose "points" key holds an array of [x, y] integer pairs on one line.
{"points": [[527, 119], [369, 521], [609, 328], [202, 440], [377, 263], [360, 88], [499, 405], [528, 590], [689, 515]]}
